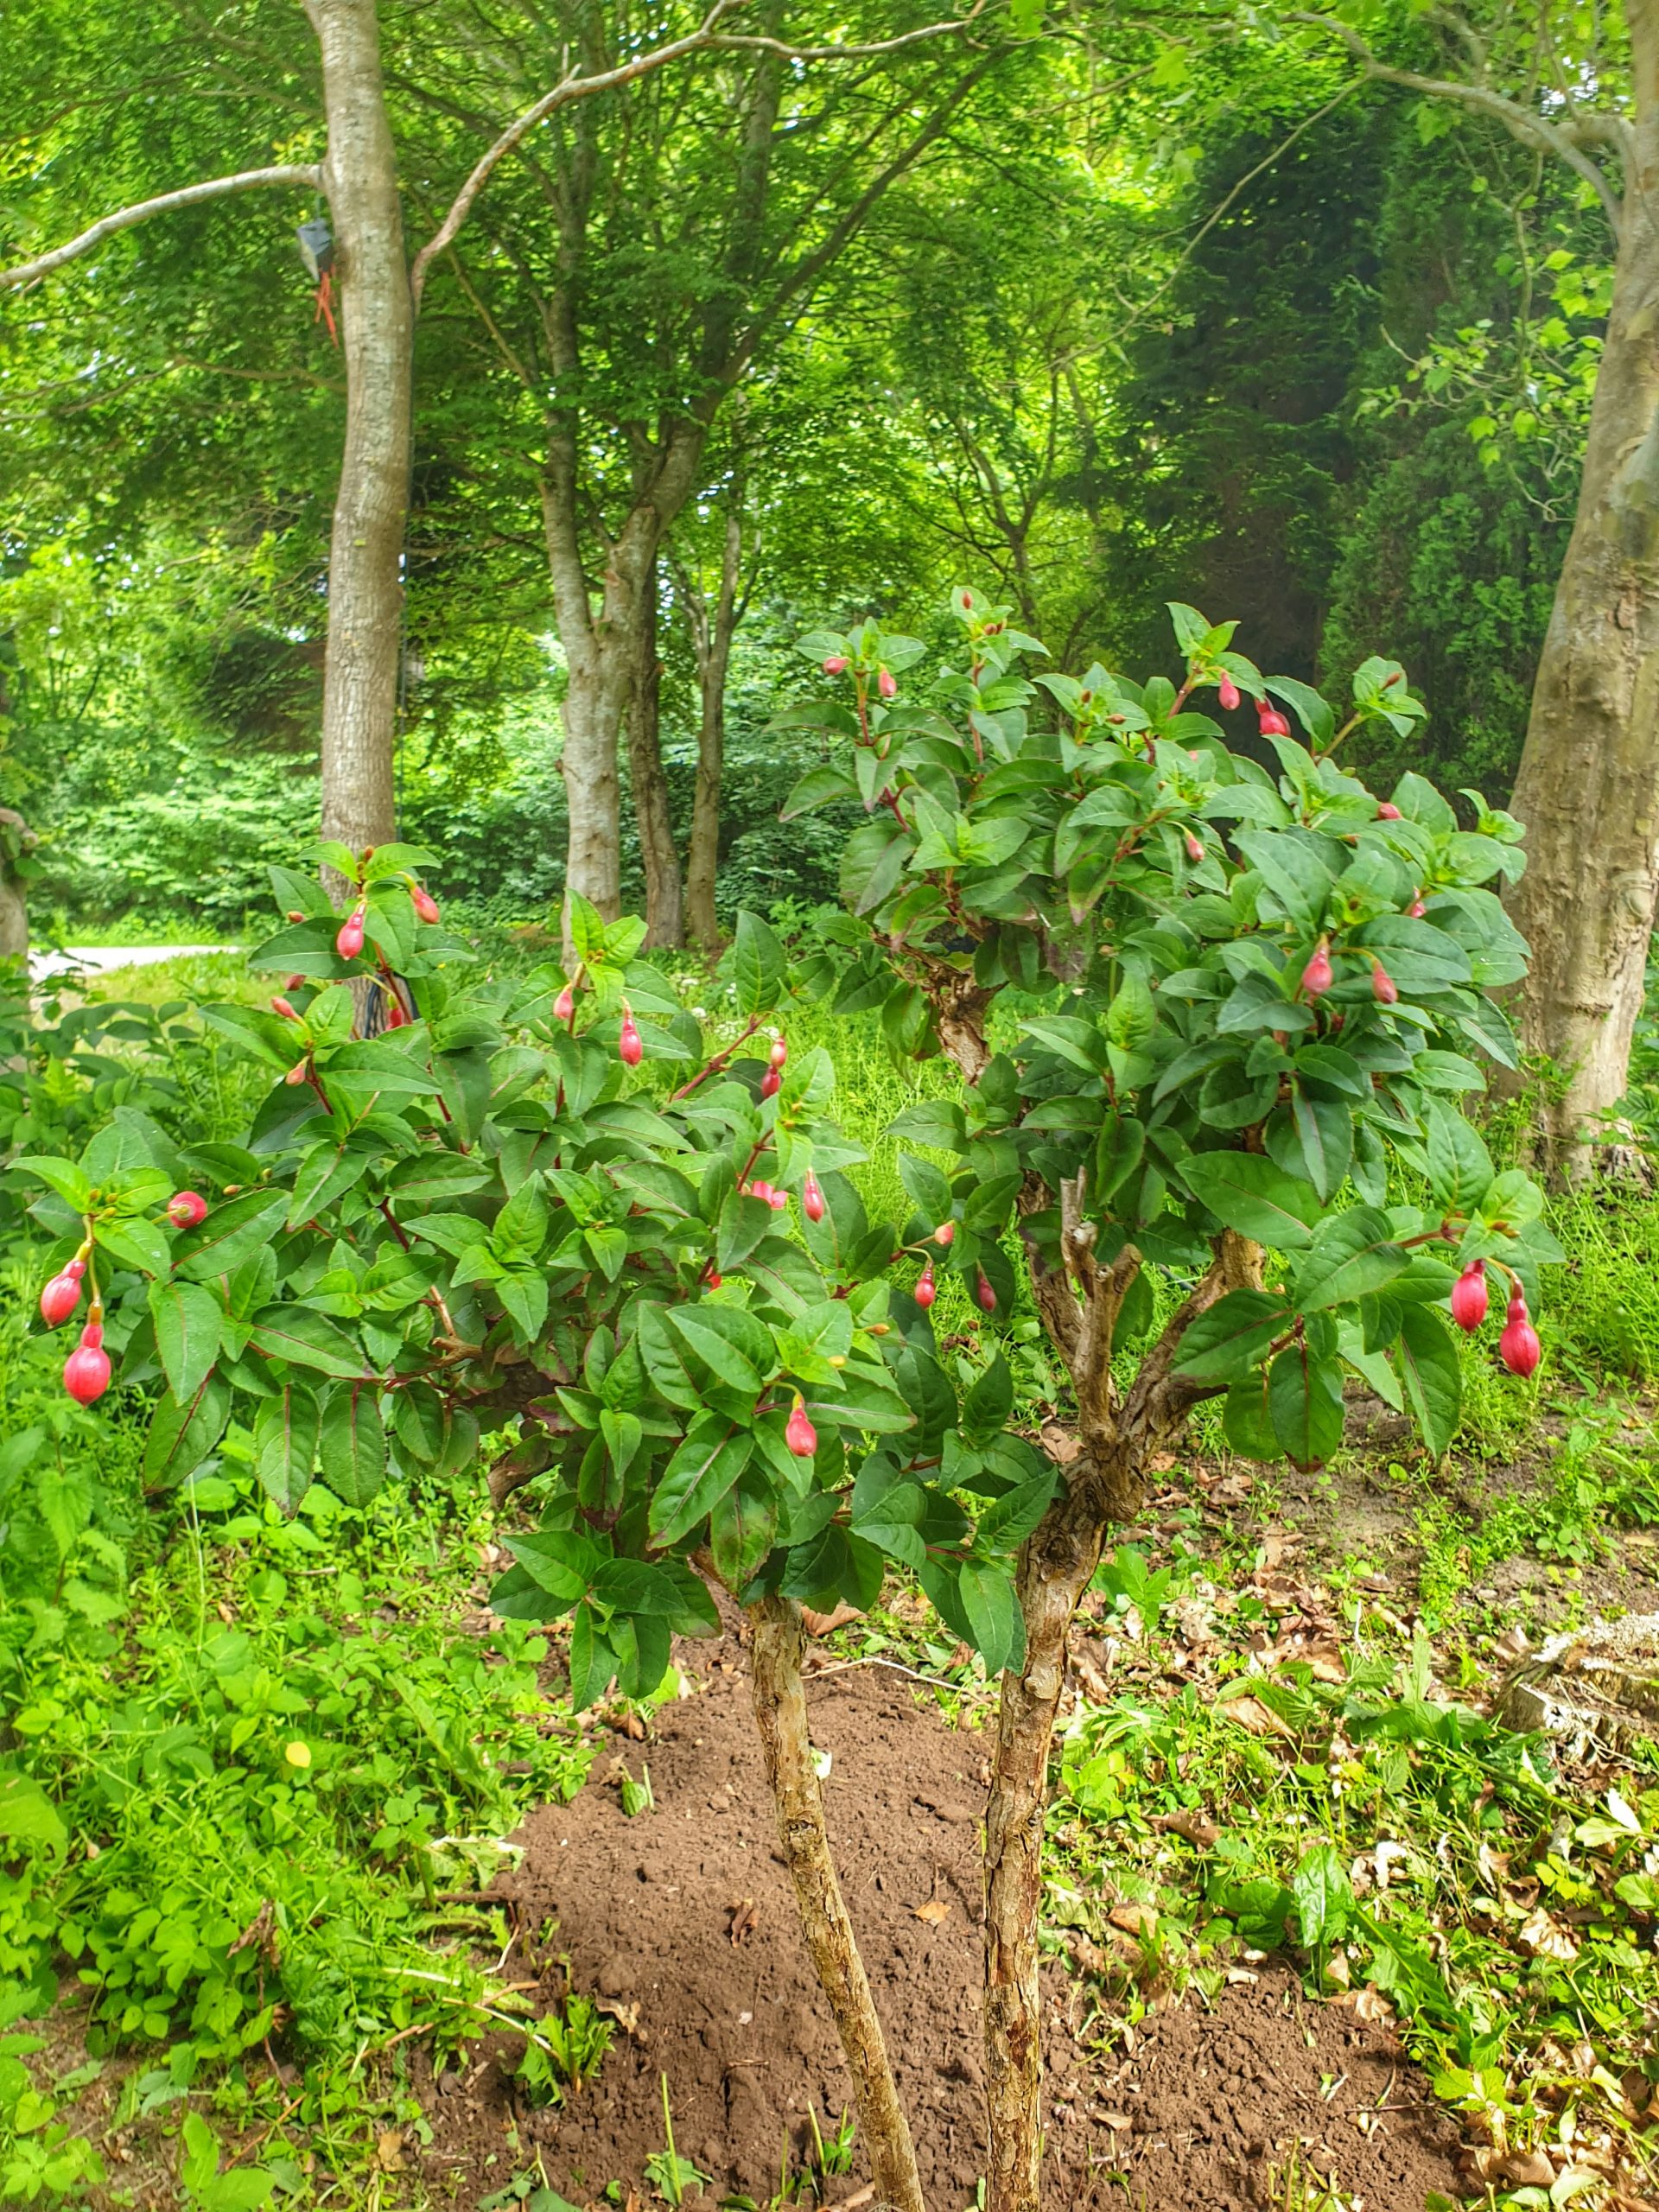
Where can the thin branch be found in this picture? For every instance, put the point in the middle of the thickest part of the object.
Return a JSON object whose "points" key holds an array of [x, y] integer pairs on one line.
{"points": [[1523, 123], [212, 188]]}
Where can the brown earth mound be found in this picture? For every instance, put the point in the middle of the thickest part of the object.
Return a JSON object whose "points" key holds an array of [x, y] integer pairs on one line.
{"points": [[683, 1921]]}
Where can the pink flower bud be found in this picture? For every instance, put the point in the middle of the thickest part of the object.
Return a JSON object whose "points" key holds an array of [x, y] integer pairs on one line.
{"points": [[1227, 691], [778, 1201], [280, 1004], [87, 1370], [926, 1289], [771, 1083], [296, 1074], [835, 666], [630, 1045], [425, 904], [779, 1053], [800, 1435], [396, 1014], [713, 1278], [812, 1197], [1317, 977], [186, 1208], [564, 1006], [1388, 811], [295, 984], [1384, 989], [945, 1233], [1269, 721], [761, 1190], [1518, 1347], [887, 684], [348, 940], [1416, 909], [60, 1297], [1194, 848], [1469, 1296], [984, 1296]]}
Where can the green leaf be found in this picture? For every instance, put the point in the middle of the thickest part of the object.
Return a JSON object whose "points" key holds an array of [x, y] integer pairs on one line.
{"points": [[1426, 1360], [187, 1319], [1246, 1417], [71, 1183], [218, 1244], [1220, 1344], [1304, 1405], [285, 1443], [183, 1431], [352, 1447], [306, 1337], [1254, 1195], [741, 1527], [758, 966], [987, 1598], [1323, 1896], [326, 1174], [1353, 1253], [731, 1343], [704, 1468], [28, 1815], [1460, 1165]]}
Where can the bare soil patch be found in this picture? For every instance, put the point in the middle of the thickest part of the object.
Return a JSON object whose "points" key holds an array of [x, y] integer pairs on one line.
{"points": [[683, 1920]]}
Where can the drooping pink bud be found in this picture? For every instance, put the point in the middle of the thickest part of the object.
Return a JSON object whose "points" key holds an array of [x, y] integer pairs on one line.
{"points": [[630, 1046], [1469, 1296], [348, 939], [280, 1004], [812, 1197], [60, 1297], [424, 903], [186, 1208], [984, 1296], [945, 1233], [1194, 848], [396, 1014], [1269, 721], [1384, 989], [778, 1201], [1227, 691], [887, 684], [771, 1083], [926, 1289], [761, 1190], [1518, 1347], [779, 1053], [564, 1006], [713, 1278], [296, 1074], [295, 984], [1317, 977], [835, 666], [1388, 811], [800, 1435], [87, 1370], [1416, 909]]}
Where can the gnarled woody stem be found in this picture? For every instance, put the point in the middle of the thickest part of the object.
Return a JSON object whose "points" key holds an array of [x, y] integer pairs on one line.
{"points": [[781, 1715]]}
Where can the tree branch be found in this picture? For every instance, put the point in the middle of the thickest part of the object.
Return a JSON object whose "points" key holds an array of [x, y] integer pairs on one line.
{"points": [[212, 189], [1520, 122]]}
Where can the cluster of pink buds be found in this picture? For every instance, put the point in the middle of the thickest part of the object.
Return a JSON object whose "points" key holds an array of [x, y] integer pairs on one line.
{"points": [[630, 1046], [60, 1296], [348, 939], [186, 1208], [1518, 1347]]}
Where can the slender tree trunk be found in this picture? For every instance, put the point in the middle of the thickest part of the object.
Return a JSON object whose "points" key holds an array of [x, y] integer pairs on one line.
{"points": [[360, 707], [780, 1716], [665, 901], [711, 636], [17, 841], [1588, 787]]}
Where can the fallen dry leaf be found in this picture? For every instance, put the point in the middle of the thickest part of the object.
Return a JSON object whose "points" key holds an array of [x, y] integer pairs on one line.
{"points": [[1529, 2169], [743, 1920], [1545, 1938], [1251, 1714], [1134, 1919], [935, 1911], [1199, 1831], [389, 2151]]}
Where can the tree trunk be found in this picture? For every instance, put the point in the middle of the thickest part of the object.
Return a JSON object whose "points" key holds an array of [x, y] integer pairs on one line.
{"points": [[780, 1716], [711, 636], [1055, 1568], [1588, 787], [664, 901], [360, 703], [17, 841]]}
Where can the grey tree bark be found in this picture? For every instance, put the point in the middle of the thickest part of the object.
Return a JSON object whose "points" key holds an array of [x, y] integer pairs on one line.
{"points": [[712, 628], [366, 586], [664, 894], [1588, 788], [17, 841]]}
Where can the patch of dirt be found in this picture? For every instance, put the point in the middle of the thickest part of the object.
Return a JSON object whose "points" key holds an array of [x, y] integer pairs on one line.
{"points": [[683, 1921]]}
